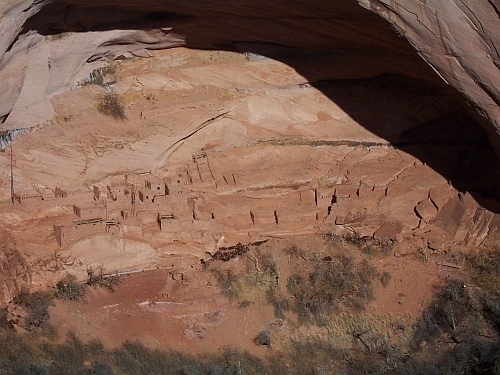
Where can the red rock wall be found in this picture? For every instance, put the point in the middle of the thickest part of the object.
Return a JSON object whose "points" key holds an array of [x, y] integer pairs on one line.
{"points": [[46, 46]]}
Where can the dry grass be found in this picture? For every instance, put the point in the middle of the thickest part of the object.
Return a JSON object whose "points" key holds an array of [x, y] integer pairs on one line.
{"points": [[327, 290], [367, 245], [351, 343], [485, 269], [111, 105], [337, 282], [258, 276]]}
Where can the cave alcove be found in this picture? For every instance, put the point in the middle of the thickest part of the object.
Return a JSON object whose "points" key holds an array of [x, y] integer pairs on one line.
{"points": [[342, 49]]}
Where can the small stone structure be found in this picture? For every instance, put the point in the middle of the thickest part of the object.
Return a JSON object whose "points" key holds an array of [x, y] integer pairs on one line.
{"points": [[117, 192], [67, 234], [61, 192], [151, 190], [90, 212], [165, 221], [112, 226], [157, 187], [32, 196]]}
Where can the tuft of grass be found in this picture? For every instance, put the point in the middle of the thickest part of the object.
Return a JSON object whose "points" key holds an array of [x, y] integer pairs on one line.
{"points": [[351, 238], [368, 250], [293, 250], [111, 105], [244, 304], [334, 237], [385, 278], [228, 283], [263, 338], [324, 183]]}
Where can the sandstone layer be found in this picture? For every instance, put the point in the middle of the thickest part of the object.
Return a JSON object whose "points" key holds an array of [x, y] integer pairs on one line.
{"points": [[219, 148], [49, 46]]}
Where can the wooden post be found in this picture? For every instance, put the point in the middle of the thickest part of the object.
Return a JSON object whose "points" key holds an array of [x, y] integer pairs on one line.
{"points": [[11, 175]]}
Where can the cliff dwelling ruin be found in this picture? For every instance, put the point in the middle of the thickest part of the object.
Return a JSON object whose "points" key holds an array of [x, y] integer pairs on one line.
{"points": [[155, 139]]}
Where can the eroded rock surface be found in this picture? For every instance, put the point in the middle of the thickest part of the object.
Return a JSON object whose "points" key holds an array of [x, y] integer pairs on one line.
{"points": [[15, 271], [277, 119], [459, 39], [47, 47], [219, 149]]}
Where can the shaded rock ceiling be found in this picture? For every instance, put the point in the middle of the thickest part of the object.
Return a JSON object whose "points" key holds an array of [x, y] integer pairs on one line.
{"points": [[47, 47]]}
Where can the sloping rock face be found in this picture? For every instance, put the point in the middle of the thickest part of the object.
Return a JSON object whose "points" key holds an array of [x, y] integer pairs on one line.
{"points": [[294, 127], [460, 40], [50, 46], [15, 272]]}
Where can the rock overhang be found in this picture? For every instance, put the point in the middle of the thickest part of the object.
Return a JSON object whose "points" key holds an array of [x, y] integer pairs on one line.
{"points": [[48, 46]]}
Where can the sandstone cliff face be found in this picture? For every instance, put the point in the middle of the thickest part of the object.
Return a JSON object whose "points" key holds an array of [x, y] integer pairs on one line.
{"points": [[276, 119], [459, 39], [49, 46]]}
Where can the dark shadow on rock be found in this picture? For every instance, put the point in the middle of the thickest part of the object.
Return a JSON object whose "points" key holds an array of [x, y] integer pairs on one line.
{"points": [[339, 48], [428, 124]]}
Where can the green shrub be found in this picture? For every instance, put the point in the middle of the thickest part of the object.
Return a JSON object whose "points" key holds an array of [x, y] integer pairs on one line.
{"points": [[69, 289], [111, 105], [263, 338], [37, 305]]}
